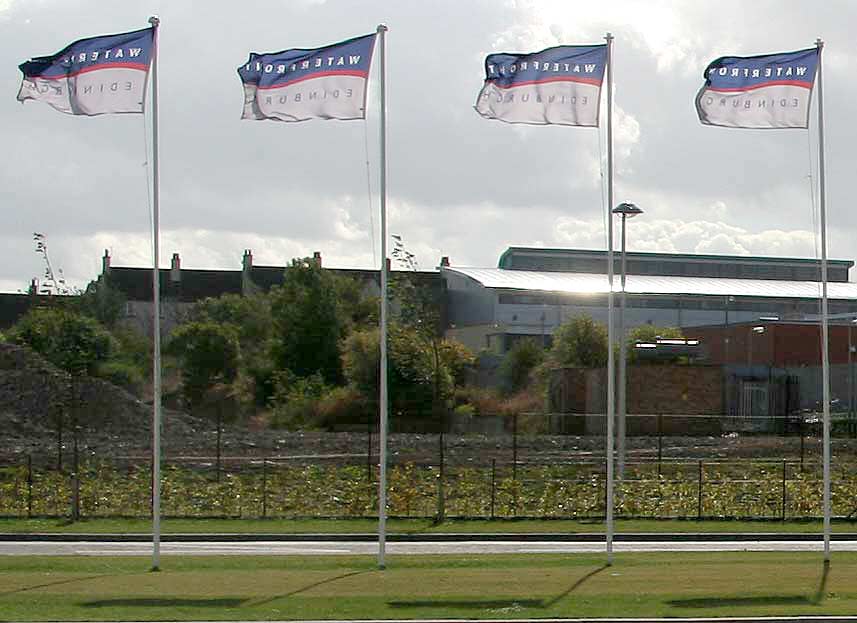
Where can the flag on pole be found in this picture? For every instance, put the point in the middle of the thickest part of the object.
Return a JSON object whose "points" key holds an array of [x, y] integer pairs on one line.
{"points": [[301, 84], [95, 76], [768, 91], [560, 85]]}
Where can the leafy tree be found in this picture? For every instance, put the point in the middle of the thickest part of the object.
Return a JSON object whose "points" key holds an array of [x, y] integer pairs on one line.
{"points": [[308, 322], [209, 354], [415, 378], [524, 357], [416, 310], [102, 301], [580, 341], [360, 311], [69, 340], [249, 315]]}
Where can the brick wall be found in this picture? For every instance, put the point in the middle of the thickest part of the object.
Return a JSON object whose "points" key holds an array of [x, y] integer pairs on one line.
{"points": [[653, 390]]}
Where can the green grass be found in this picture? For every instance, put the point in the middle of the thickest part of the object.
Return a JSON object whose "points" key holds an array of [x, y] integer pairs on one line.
{"points": [[410, 526], [498, 586]]}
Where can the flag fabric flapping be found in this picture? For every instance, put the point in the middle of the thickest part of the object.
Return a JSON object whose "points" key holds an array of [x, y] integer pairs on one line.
{"points": [[767, 91], [302, 84], [94, 76], [560, 85]]}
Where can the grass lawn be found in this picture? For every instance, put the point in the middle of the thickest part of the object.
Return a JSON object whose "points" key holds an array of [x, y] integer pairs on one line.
{"points": [[497, 586], [411, 526]]}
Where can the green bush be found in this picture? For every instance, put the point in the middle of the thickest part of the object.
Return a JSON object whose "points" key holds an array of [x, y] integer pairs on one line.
{"points": [[519, 363], [122, 373], [344, 407], [296, 400]]}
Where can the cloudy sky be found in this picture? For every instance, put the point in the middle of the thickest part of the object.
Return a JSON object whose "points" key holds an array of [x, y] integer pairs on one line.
{"points": [[458, 185]]}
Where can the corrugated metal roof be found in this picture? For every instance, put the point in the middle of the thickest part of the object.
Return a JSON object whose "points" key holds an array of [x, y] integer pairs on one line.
{"points": [[587, 283]]}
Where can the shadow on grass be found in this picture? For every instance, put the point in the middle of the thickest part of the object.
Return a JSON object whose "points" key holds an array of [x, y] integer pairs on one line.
{"points": [[164, 602], [49, 584], [303, 589], [496, 603], [762, 600], [468, 603], [575, 586]]}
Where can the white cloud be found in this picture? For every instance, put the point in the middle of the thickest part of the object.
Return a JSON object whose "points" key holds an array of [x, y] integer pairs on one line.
{"points": [[677, 236]]}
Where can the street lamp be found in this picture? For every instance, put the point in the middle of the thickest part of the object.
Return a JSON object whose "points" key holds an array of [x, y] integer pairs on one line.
{"points": [[626, 211]]}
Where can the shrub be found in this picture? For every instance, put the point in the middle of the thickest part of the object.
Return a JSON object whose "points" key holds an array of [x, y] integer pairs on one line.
{"points": [[344, 407], [519, 363], [124, 374], [296, 399], [580, 341]]}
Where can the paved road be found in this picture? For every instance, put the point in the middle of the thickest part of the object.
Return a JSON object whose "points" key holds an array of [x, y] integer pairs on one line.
{"points": [[285, 548]]}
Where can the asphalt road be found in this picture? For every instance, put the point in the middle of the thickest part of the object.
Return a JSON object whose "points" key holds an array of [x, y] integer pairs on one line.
{"points": [[315, 548]]}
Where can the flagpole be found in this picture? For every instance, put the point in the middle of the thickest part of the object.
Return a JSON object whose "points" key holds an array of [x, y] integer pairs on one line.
{"points": [[382, 431], [825, 354], [611, 363], [156, 315]]}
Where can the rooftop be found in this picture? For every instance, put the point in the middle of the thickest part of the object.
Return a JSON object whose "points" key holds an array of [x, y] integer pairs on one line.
{"points": [[589, 283]]}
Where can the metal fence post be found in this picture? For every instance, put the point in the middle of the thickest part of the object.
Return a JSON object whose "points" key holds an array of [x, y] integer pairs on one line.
{"points": [[75, 495], [29, 486], [515, 447], [660, 441], [800, 426], [605, 488], [783, 515], [699, 497], [493, 484], [264, 486], [441, 493], [515, 463]]}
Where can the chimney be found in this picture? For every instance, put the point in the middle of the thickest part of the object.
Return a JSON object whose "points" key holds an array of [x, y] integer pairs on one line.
{"points": [[176, 268], [105, 262], [247, 285], [388, 264], [316, 257], [444, 261]]}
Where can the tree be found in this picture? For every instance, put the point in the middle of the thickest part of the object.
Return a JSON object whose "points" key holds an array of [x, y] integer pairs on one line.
{"points": [[209, 354], [415, 378], [249, 315], [308, 322], [580, 341], [524, 357], [102, 301], [69, 340]]}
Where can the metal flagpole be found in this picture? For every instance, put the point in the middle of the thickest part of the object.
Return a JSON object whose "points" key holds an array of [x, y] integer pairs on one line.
{"points": [[382, 432], [611, 363], [825, 355], [156, 315]]}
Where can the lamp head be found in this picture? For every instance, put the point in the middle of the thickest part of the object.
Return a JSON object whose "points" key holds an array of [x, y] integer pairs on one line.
{"points": [[628, 210]]}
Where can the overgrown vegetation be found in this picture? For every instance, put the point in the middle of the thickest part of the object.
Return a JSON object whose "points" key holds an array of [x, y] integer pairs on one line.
{"points": [[306, 354], [740, 489]]}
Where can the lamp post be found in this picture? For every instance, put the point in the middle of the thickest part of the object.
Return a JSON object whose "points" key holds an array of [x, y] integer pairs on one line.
{"points": [[626, 211]]}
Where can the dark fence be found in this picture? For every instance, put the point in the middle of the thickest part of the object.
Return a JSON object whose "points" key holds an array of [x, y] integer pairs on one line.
{"points": [[515, 466]]}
